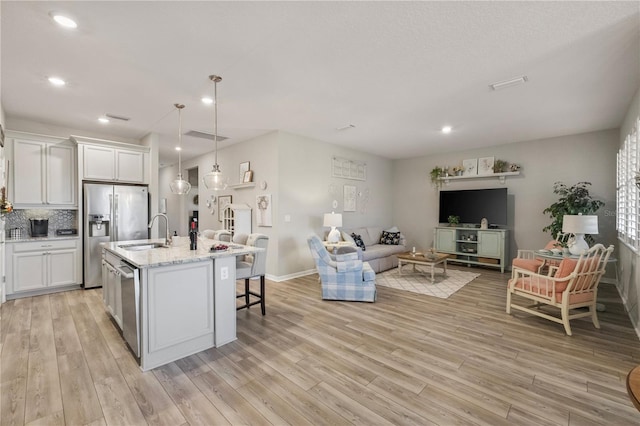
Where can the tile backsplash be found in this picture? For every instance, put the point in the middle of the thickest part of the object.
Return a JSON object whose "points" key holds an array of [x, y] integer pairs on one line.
{"points": [[58, 219]]}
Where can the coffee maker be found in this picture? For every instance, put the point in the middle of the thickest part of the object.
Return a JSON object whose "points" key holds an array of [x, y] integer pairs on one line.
{"points": [[39, 227]]}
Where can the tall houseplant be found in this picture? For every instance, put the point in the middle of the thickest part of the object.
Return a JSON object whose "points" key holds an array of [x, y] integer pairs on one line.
{"points": [[573, 200]]}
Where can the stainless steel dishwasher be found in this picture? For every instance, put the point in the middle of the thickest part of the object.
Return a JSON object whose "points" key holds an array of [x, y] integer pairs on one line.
{"points": [[130, 284]]}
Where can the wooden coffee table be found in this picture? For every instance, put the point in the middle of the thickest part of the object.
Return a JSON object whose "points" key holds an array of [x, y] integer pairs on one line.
{"points": [[421, 259]]}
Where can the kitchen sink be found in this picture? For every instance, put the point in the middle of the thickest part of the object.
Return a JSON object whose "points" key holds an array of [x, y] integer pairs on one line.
{"points": [[142, 246]]}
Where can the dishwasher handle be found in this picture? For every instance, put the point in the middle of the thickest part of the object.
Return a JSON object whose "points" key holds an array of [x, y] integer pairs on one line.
{"points": [[125, 270]]}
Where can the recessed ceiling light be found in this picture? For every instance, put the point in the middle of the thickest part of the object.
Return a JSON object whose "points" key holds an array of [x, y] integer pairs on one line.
{"points": [[63, 21], [207, 100], [508, 83], [446, 129], [57, 81], [178, 148], [103, 120]]}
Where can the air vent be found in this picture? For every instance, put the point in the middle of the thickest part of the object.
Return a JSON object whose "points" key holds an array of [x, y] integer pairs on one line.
{"points": [[204, 135], [509, 83], [117, 117]]}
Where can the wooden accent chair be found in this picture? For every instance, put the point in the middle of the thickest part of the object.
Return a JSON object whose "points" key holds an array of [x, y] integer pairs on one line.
{"points": [[572, 284], [526, 259]]}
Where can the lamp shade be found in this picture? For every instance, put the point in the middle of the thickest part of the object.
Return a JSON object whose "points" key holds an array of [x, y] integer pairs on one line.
{"points": [[332, 220], [580, 224]]}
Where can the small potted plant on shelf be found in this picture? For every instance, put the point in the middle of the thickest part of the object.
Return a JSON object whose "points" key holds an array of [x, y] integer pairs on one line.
{"points": [[457, 170], [5, 205], [499, 166], [453, 220], [436, 173]]}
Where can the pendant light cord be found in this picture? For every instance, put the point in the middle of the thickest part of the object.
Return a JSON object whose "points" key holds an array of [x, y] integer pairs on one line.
{"points": [[215, 79], [215, 116], [179, 106]]}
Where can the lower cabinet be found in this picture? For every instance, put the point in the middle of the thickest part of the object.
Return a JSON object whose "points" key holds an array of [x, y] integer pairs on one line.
{"points": [[112, 291], [473, 246], [41, 266]]}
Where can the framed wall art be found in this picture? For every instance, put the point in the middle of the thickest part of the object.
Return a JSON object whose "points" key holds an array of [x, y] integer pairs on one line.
{"points": [[349, 198], [263, 203], [348, 169], [470, 167], [244, 168], [485, 165]]}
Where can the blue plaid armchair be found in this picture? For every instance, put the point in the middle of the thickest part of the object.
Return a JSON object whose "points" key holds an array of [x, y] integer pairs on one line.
{"points": [[343, 276]]}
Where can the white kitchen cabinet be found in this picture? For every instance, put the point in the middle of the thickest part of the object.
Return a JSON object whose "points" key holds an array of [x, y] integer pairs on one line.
{"points": [[42, 266], [44, 173], [112, 292], [113, 164]]}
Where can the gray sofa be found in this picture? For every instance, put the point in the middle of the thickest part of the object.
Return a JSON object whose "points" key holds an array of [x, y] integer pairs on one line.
{"points": [[380, 256]]}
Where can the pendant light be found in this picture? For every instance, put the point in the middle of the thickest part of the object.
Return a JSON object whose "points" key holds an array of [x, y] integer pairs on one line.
{"points": [[214, 179], [180, 186]]}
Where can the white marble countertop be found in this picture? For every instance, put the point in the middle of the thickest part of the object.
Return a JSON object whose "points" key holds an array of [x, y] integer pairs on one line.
{"points": [[176, 253]]}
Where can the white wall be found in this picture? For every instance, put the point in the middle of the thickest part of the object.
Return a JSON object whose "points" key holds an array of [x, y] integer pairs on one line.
{"points": [[307, 191], [570, 159], [297, 171], [629, 285]]}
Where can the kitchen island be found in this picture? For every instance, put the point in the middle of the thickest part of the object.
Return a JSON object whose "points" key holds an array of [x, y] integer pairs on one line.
{"points": [[169, 301]]}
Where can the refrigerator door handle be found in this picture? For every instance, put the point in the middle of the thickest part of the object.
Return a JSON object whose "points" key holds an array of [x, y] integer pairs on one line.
{"points": [[112, 224], [116, 218]]}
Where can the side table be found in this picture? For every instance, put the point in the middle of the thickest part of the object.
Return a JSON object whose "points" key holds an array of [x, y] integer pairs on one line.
{"points": [[332, 247]]}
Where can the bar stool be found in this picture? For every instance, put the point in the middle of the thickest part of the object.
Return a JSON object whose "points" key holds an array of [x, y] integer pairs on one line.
{"points": [[252, 265]]}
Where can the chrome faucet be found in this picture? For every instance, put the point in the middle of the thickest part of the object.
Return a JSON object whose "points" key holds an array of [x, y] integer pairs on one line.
{"points": [[167, 239]]}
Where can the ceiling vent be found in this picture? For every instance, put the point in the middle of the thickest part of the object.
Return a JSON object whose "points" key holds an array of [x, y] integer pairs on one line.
{"points": [[204, 135], [509, 83], [117, 117]]}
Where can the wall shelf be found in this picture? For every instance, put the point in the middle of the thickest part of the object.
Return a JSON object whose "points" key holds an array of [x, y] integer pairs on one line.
{"points": [[500, 176], [243, 185]]}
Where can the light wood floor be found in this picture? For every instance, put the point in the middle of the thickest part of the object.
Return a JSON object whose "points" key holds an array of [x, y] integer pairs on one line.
{"points": [[406, 359]]}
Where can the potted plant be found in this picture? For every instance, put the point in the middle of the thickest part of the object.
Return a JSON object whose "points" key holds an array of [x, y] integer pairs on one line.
{"points": [[573, 200], [499, 166], [453, 220], [457, 170], [436, 173]]}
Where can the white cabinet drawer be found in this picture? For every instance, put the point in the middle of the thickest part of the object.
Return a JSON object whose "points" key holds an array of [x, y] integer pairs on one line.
{"points": [[44, 245]]}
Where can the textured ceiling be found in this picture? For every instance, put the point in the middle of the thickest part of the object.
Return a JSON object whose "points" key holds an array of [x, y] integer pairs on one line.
{"points": [[397, 71]]}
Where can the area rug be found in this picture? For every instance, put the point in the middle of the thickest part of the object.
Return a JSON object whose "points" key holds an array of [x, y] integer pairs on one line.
{"points": [[443, 287]]}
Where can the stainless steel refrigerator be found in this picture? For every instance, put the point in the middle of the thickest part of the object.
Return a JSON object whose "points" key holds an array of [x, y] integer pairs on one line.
{"points": [[111, 213]]}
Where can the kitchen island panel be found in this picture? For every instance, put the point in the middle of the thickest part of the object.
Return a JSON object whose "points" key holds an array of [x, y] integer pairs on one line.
{"points": [[225, 299], [177, 312]]}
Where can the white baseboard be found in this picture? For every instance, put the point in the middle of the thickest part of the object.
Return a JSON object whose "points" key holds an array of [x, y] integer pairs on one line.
{"points": [[290, 276]]}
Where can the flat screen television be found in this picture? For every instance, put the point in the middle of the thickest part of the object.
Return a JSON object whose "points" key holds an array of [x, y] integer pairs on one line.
{"points": [[474, 204]]}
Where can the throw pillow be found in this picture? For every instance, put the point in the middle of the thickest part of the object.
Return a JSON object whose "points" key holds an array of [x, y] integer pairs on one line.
{"points": [[358, 241], [390, 238]]}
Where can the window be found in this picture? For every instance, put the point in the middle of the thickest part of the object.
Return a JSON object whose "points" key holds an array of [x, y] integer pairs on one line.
{"points": [[628, 210]]}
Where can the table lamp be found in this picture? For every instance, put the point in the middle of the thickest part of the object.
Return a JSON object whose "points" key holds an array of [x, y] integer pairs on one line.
{"points": [[333, 220], [578, 225]]}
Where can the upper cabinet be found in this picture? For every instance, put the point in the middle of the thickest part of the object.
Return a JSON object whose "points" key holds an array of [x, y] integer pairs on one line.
{"points": [[112, 161], [44, 172]]}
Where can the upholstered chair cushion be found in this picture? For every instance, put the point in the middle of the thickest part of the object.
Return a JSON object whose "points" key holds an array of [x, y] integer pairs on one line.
{"points": [[529, 264]]}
